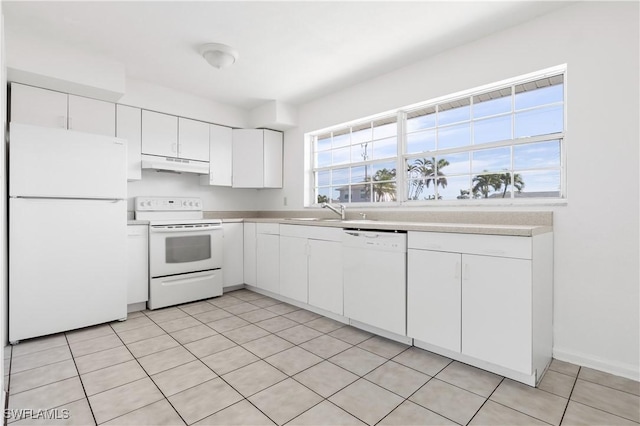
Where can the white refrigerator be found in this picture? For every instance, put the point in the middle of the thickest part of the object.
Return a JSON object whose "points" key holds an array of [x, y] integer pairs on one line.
{"points": [[67, 230]]}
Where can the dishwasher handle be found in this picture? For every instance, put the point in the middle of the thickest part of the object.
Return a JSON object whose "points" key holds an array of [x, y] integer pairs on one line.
{"points": [[361, 234]]}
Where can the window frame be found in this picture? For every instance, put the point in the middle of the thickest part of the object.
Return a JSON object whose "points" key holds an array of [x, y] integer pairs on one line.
{"points": [[401, 156]]}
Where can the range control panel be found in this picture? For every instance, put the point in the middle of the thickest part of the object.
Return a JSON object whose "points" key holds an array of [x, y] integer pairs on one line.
{"points": [[153, 204]]}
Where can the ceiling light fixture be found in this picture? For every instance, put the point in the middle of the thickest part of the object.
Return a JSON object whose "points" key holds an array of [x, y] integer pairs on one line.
{"points": [[219, 55]]}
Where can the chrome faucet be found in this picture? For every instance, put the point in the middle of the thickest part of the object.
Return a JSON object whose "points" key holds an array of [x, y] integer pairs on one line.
{"points": [[340, 212]]}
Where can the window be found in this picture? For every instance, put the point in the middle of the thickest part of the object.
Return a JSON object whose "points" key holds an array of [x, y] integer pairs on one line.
{"points": [[357, 164], [501, 143]]}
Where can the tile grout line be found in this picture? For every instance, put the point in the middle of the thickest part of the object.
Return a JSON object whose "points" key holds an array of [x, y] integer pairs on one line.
{"points": [[81, 381], [149, 377]]}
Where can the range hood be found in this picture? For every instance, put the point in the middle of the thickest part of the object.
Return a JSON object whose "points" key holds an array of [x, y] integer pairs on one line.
{"points": [[170, 164]]}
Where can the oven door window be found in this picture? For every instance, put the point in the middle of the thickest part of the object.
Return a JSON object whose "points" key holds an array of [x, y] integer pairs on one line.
{"points": [[187, 249]]}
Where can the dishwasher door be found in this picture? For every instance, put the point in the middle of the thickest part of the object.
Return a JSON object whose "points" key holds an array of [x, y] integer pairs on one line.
{"points": [[375, 278]]}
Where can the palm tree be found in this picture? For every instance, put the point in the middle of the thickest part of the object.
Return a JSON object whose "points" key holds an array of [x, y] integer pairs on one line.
{"points": [[386, 189], [518, 182], [426, 171], [482, 184]]}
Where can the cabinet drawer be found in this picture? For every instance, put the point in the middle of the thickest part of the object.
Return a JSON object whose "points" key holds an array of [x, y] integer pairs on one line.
{"points": [[488, 245], [268, 228], [325, 233]]}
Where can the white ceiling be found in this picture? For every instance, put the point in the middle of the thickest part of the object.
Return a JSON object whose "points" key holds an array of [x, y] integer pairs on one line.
{"points": [[289, 51]]}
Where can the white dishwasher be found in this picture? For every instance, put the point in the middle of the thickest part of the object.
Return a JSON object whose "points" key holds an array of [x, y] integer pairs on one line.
{"points": [[375, 271]]}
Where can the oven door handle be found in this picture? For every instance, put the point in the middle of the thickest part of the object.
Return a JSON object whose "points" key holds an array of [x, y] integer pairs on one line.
{"points": [[164, 230]]}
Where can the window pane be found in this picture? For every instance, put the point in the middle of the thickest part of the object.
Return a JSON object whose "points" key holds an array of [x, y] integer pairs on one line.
{"points": [[341, 194], [417, 190], [323, 159], [492, 129], [384, 171], [323, 195], [340, 176], [361, 134], [341, 138], [489, 185], [341, 155], [453, 164], [359, 174], [384, 129], [540, 184], [540, 92], [361, 152], [454, 136], [454, 111], [323, 178], [493, 103], [323, 142], [536, 155], [385, 148], [491, 160], [421, 119], [457, 188], [541, 121], [384, 191], [421, 141], [361, 193], [423, 174]]}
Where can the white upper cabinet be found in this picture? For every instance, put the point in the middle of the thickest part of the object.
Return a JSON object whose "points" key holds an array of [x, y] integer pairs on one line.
{"points": [[193, 139], [38, 107], [92, 116], [257, 158], [220, 156], [129, 127], [159, 134], [47, 108]]}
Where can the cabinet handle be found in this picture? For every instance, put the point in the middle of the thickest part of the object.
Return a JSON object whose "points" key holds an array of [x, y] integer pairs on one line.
{"points": [[456, 274], [467, 272]]}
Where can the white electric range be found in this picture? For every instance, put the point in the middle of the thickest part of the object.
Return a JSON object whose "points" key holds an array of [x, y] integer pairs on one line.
{"points": [[185, 250]]}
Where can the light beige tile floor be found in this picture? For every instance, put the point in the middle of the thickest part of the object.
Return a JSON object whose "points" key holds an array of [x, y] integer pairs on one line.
{"points": [[247, 359]]}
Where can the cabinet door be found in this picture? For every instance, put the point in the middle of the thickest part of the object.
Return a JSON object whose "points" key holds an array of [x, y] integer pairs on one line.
{"points": [[250, 249], [325, 275], [433, 297], [268, 262], [248, 155], [137, 263], [92, 116], [129, 127], [193, 139], [293, 268], [496, 310], [38, 107], [159, 134], [220, 158], [232, 267], [272, 159]]}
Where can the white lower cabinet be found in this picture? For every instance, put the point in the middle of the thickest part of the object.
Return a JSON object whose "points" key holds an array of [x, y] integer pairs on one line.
{"points": [[325, 275], [434, 312], [487, 298], [233, 250], [311, 266], [137, 264], [268, 257], [496, 311], [294, 257], [250, 251]]}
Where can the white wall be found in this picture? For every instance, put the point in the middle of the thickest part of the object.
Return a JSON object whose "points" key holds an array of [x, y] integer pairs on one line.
{"points": [[214, 198], [596, 308]]}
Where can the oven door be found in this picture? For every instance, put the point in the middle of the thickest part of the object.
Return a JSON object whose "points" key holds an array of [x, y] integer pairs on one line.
{"points": [[183, 249]]}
